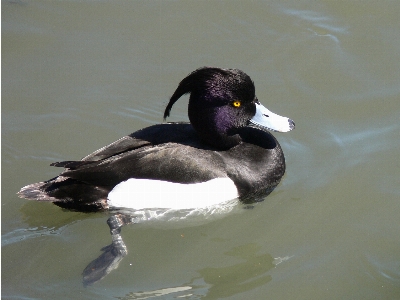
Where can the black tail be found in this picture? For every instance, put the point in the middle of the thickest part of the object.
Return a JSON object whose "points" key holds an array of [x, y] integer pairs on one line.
{"points": [[67, 193]]}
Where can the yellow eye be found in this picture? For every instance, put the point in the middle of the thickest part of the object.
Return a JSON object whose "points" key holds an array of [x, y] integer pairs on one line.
{"points": [[236, 103]]}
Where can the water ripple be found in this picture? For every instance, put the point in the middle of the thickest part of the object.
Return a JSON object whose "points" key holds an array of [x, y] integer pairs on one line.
{"points": [[346, 150], [22, 234]]}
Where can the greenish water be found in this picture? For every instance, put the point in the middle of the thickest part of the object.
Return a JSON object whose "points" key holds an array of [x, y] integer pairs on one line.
{"points": [[77, 75]]}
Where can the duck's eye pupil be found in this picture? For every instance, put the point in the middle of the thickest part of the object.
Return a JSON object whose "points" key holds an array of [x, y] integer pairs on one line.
{"points": [[236, 103]]}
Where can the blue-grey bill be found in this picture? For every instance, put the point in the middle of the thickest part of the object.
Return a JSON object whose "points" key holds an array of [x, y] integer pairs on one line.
{"points": [[266, 119]]}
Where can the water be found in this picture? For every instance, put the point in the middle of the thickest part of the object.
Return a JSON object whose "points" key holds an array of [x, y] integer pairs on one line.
{"points": [[77, 75]]}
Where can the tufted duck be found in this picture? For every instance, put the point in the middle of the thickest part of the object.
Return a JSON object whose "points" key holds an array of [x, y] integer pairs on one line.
{"points": [[224, 153]]}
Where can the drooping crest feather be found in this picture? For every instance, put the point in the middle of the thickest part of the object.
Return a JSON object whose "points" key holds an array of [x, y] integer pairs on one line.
{"points": [[195, 81]]}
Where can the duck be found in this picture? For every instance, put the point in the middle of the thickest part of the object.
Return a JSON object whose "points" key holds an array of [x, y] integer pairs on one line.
{"points": [[225, 152]]}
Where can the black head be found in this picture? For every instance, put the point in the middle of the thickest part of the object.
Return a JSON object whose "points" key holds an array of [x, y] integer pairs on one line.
{"points": [[221, 101]]}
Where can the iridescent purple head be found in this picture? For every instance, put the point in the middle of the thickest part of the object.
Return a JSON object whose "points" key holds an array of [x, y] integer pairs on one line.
{"points": [[221, 102]]}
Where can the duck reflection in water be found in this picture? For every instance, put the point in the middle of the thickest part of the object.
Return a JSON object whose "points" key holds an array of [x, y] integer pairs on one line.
{"points": [[112, 254]]}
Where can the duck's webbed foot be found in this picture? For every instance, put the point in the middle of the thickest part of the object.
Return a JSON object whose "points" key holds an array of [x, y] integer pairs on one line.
{"points": [[112, 254]]}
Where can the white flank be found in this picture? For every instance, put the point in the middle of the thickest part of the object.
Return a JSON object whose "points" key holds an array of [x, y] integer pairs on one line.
{"points": [[146, 194]]}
